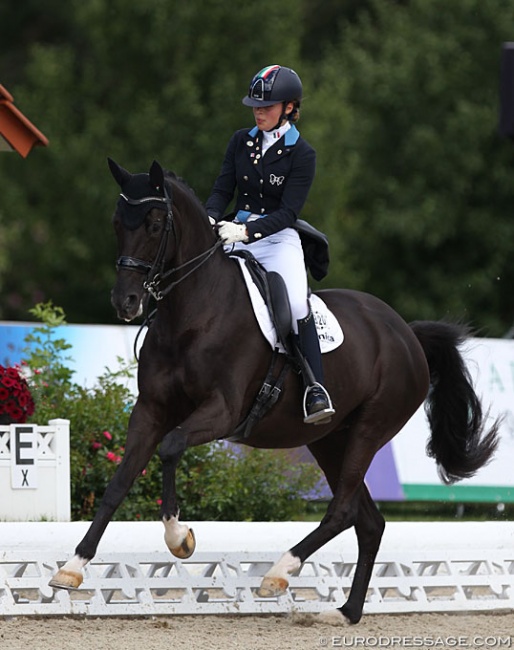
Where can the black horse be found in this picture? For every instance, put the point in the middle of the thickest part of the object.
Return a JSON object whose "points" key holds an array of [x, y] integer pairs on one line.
{"points": [[204, 359]]}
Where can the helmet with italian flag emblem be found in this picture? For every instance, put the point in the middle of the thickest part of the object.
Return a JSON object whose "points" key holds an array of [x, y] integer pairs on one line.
{"points": [[272, 85]]}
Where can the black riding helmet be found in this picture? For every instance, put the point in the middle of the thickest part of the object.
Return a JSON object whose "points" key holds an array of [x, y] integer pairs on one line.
{"points": [[272, 85]]}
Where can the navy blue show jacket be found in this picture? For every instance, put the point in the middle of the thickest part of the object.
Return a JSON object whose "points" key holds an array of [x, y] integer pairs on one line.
{"points": [[275, 185]]}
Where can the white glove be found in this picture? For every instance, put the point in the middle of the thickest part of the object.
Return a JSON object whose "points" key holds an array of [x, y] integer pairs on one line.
{"points": [[230, 232]]}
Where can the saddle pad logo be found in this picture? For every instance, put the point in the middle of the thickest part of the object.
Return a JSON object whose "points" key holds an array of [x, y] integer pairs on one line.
{"points": [[276, 180], [330, 334]]}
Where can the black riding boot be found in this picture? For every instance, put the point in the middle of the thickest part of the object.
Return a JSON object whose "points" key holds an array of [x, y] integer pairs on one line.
{"points": [[317, 405]]}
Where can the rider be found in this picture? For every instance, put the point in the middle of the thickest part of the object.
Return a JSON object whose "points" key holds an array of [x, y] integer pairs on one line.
{"points": [[272, 168]]}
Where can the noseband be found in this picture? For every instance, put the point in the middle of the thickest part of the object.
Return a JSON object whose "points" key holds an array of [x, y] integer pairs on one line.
{"points": [[154, 270]]}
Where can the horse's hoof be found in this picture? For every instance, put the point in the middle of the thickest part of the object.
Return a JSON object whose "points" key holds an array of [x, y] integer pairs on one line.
{"points": [[187, 548], [66, 580], [352, 616], [271, 587]]}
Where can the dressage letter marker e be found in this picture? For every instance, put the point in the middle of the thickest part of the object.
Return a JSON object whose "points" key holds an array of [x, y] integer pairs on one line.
{"points": [[23, 457]]}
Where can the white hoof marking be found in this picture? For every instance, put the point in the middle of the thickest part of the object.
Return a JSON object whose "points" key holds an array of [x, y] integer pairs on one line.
{"points": [[285, 567], [178, 537], [70, 575], [276, 581]]}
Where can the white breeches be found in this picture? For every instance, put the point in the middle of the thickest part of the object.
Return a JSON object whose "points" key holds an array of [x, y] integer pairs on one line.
{"points": [[282, 252]]}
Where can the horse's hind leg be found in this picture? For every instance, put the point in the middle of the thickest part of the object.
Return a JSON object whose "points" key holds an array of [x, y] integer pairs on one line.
{"points": [[344, 463], [369, 527]]}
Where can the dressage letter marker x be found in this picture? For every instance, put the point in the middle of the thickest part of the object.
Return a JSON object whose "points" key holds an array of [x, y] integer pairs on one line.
{"points": [[23, 457]]}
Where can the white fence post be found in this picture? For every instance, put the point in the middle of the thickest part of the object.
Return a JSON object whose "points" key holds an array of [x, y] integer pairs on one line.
{"points": [[48, 496], [62, 464]]}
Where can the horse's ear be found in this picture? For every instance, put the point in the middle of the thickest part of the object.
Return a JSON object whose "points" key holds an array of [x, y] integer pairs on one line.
{"points": [[156, 176], [121, 176]]}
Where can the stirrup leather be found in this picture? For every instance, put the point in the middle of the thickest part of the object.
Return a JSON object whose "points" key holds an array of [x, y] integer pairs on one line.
{"points": [[318, 417]]}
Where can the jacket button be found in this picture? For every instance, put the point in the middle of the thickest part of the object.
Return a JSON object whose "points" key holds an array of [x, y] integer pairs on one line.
{"points": [[261, 181], [262, 210], [279, 151], [257, 235], [247, 207], [245, 178]]}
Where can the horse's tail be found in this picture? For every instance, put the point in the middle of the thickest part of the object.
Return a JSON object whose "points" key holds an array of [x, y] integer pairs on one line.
{"points": [[458, 443]]}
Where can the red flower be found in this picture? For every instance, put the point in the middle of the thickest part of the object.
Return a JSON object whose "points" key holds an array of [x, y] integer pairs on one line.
{"points": [[15, 397], [114, 458], [16, 414]]}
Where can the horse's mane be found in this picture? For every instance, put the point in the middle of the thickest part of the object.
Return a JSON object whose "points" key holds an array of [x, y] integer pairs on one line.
{"points": [[184, 185]]}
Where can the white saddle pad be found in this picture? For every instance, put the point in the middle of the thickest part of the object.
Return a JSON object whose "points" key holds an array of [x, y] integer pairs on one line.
{"points": [[329, 330]]}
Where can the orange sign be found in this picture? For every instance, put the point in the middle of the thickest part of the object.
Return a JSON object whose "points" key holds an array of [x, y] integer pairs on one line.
{"points": [[17, 133]]}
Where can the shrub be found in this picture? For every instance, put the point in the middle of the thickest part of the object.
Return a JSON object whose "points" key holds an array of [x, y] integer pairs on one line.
{"points": [[214, 482]]}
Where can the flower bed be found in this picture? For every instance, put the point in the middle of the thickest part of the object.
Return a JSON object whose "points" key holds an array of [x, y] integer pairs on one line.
{"points": [[16, 403]]}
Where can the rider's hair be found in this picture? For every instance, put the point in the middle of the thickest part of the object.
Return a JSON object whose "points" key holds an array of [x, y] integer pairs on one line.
{"points": [[294, 115]]}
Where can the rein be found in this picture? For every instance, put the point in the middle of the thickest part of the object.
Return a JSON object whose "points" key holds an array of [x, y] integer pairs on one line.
{"points": [[152, 286], [154, 270]]}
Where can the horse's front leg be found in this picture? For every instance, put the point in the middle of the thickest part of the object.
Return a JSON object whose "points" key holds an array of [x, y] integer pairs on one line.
{"points": [[141, 444], [179, 538], [209, 422]]}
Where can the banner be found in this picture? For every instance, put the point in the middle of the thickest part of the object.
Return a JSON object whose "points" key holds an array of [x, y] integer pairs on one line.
{"points": [[94, 350], [401, 470], [491, 365]]}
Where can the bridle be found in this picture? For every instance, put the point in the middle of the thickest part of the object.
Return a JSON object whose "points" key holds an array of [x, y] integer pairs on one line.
{"points": [[155, 274]]}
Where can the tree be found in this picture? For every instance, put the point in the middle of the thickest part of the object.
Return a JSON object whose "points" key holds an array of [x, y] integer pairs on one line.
{"points": [[419, 186], [413, 184], [132, 81]]}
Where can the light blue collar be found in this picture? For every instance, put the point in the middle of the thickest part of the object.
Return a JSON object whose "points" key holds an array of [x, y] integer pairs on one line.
{"points": [[290, 138]]}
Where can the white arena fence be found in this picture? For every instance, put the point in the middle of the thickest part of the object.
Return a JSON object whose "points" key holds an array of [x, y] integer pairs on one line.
{"points": [[35, 471], [421, 567]]}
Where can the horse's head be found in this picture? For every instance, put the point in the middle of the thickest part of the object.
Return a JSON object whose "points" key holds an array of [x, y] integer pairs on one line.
{"points": [[142, 222], [158, 221]]}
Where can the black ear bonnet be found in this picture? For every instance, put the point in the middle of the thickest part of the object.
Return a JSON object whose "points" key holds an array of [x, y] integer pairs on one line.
{"points": [[139, 193]]}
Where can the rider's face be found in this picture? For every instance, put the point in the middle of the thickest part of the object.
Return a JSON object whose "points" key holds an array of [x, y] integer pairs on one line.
{"points": [[266, 117]]}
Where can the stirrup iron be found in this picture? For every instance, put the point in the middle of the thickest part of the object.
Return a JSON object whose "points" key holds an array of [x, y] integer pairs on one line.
{"points": [[322, 416]]}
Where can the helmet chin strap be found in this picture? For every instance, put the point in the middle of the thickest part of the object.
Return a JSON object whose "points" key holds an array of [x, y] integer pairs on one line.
{"points": [[281, 119]]}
